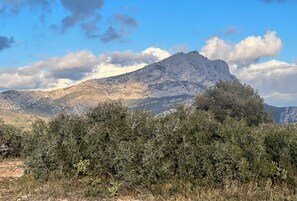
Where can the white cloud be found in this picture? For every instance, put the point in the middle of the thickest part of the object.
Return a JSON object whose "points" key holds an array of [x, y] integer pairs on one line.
{"points": [[50, 73], [118, 63], [127, 58], [157, 52], [74, 60], [246, 51], [275, 80], [17, 80], [217, 48], [108, 70], [74, 67], [279, 97]]}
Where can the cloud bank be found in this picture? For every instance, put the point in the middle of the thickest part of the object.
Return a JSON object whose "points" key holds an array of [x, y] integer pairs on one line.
{"points": [[75, 67], [275, 80], [246, 51]]}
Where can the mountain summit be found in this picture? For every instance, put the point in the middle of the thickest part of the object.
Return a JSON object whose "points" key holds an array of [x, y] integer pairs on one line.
{"points": [[180, 74], [156, 87]]}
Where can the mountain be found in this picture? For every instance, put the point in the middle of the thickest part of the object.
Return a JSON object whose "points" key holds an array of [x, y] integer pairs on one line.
{"points": [[156, 87], [283, 115]]}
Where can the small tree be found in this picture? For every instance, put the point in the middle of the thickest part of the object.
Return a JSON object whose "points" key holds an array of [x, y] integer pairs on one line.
{"points": [[231, 98]]}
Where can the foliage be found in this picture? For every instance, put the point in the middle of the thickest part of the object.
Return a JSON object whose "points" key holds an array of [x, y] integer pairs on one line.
{"points": [[201, 145], [82, 167], [136, 149], [11, 138], [231, 98]]}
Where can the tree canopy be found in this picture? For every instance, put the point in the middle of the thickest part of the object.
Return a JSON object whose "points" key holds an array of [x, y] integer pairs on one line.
{"points": [[231, 98]]}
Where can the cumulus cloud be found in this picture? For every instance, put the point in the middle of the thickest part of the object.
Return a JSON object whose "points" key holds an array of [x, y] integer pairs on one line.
{"points": [[5, 42], [24, 78], [129, 58], [275, 80], [217, 48], [246, 51], [75, 67], [49, 73], [117, 63]]}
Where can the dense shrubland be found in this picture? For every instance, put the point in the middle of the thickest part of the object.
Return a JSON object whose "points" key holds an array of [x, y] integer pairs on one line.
{"points": [[10, 140], [225, 136]]}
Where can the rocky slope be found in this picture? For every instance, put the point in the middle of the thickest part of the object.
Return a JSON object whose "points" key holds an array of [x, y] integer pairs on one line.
{"points": [[283, 115]]}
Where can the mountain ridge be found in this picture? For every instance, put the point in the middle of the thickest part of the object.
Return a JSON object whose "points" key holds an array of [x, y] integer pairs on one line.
{"points": [[156, 87]]}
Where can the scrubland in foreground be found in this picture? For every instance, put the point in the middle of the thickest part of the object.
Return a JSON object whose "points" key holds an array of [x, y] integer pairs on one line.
{"points": [[223, 147]]}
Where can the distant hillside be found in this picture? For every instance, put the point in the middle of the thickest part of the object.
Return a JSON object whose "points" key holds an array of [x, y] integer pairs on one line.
{"points": [[283, 114]]}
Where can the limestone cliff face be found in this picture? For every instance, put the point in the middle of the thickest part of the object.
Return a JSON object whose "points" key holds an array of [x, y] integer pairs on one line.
{"points": [[156, 87], [283, 115], [180, 74]]}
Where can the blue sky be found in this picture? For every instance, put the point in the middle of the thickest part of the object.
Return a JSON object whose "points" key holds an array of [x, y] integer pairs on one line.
{"points": [[40, 35]]}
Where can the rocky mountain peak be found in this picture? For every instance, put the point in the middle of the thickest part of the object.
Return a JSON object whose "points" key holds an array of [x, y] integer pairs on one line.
{"points": [[156, 87], [194, 64]]}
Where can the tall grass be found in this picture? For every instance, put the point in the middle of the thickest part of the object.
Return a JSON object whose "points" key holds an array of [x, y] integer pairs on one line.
{"points": [[28, 188]]}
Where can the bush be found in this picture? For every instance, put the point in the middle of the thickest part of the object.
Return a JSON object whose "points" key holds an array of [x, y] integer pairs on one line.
{"points": [[11, 139], [231, 98], [127, 148]]}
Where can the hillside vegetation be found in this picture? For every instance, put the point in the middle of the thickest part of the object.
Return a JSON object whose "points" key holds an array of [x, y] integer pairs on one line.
{"points": [[224, 138]]}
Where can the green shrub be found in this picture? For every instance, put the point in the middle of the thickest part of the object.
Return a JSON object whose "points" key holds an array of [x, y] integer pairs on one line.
{"points": [[82, 167], [231, 98], [119, 148], [11, 138]]}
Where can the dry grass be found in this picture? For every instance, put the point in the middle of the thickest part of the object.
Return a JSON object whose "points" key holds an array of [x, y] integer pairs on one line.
{"points": [[27, 188], [16, 186]]}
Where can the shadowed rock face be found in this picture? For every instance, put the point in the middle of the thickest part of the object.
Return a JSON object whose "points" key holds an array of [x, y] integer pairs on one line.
{"points": [[283, 115], [156, 87]]}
